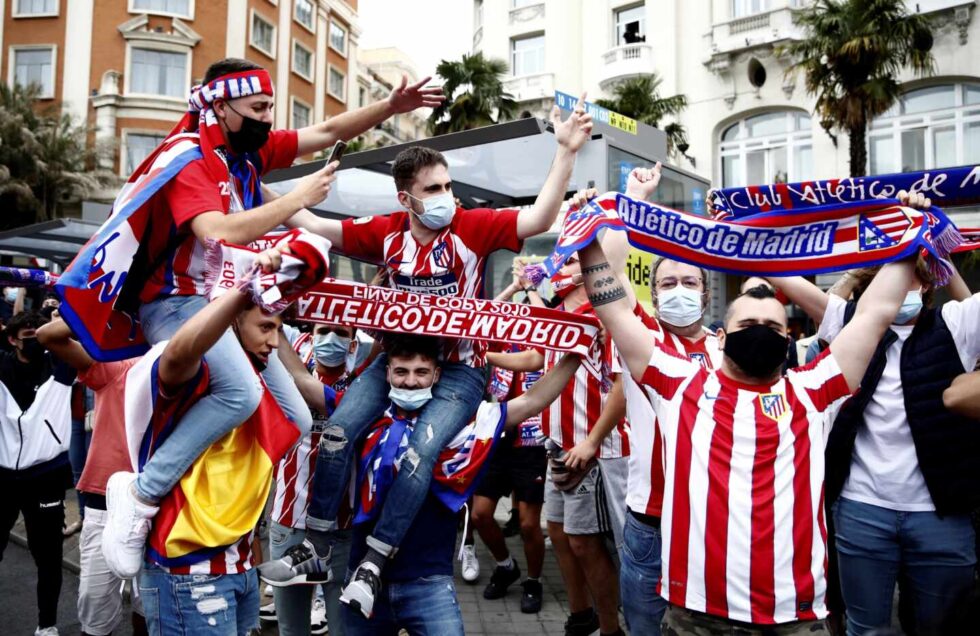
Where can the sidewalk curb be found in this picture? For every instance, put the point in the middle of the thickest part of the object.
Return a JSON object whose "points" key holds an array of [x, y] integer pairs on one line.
{"points": [[66, 563]]}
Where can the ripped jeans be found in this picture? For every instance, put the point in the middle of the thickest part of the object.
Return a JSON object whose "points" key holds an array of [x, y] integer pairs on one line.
{"points": [[191, 604], [455, 398]]}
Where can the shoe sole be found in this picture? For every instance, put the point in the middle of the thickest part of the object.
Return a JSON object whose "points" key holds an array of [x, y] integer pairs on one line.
{"points": [[356, 603], [269, 619], [473, 581], [300, 579], [320, 632]]}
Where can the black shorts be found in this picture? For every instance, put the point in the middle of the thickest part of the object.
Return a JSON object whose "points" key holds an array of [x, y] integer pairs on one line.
{"points": [[520, 469]]}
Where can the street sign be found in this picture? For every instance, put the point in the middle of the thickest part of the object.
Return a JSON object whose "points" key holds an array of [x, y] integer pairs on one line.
{"points": [[604, 115]]}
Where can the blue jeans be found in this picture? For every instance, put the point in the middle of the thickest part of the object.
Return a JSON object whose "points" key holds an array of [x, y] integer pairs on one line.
{"points": [[235, 392], [77, 453], [192, 604], [935, 555], [639, 574], [293, 603], [422, 607], [455, 398]]}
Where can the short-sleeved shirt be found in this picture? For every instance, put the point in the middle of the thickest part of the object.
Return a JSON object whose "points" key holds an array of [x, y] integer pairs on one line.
{"points": [[190, 193], [744, 534], [884, 466], [645, 492], [108, 452], [451, 265], [570, 418]]}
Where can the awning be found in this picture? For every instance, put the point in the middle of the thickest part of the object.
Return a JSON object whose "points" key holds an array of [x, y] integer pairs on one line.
{"points": [[58, 240]]}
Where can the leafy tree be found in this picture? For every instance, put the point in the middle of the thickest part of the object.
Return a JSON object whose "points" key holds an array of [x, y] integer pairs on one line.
{"points": [[45, 161], [475, 95], [639, 98], [850, 56]]}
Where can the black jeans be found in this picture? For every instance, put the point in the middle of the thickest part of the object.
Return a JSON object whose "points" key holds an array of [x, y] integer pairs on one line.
{"points": [[41, 499]]}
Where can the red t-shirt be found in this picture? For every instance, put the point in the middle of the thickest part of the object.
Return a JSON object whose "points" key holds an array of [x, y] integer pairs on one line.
{"points": [[190, 193], [108, 452], [451, 265]]}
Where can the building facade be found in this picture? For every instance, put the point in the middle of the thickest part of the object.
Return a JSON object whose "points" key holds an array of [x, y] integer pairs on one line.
{"points": [[749, 120], [381, 70], [126, 66]]}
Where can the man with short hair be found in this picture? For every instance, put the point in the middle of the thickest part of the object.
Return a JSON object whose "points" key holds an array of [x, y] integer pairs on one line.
{"points": [[34, 469], [430, 247], [229, 125], [743, 543]]}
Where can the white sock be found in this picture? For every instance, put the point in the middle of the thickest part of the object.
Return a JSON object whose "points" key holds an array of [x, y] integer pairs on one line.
{"points": [[507, 564]]}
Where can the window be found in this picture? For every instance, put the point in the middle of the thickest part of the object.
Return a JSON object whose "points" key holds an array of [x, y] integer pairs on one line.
{"points": [[362, 96], [302, 61], [769, 148], [263, 35], [302, 114], [175, 7], [742, 8], [338, 38], [928, 128], [631, 25], [527, 55], [138, 147], [35, 66], [304, 13], [336, 82], [153, 72], [24, 8]]}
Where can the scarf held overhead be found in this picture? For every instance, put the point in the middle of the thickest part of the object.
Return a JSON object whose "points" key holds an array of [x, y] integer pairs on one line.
{"points": [[823, 239], [100, 289], [336, 302]]}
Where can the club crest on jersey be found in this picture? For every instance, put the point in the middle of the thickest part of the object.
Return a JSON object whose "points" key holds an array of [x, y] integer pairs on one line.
{"points": [[699, 357], [773, 405], [440, 255]]}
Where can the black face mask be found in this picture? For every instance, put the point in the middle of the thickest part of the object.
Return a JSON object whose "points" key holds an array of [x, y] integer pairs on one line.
{"points": [[757, 350], [250, 137], [32, 350]]}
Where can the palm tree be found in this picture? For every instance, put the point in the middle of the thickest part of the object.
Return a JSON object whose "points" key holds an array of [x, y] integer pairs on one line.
{"points": [[45, 159], [639, 98], [850, 56], [475, 95]]}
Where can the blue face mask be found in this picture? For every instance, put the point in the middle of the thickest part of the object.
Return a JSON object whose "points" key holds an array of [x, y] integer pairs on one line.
{"points": [[910, 308], [439, 210], [679, 306], [330, 349], [410, 399]]}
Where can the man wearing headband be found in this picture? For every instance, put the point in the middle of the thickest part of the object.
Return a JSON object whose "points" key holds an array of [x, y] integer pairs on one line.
{"points": [[228, 130]]}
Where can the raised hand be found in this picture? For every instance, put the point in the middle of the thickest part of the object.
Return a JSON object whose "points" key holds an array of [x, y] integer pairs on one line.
{"points": [[407, 98], [915, 200], [582, 197], [574, 131], [271, 259], [643, 182]]}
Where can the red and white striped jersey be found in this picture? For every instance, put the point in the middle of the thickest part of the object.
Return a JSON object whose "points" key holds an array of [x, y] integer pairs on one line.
{"points": [[451, 265], [294, 472], [190, 193], [645, 486], [747, 462], [237, 558], [570, 418]]}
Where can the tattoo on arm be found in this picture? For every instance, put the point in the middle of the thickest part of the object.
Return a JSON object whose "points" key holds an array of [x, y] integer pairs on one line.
{"points": [[613, 292], [593, 269]]}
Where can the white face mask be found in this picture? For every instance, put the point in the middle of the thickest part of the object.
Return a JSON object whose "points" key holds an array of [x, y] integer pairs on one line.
{"points": [[410, 399], [439, 210], [910, 308], [330, 349], [679, 306]]}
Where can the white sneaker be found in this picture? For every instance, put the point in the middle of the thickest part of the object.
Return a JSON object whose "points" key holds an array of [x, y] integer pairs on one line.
{"points": [[267, 613], [126, 526], [47, 631], [268, 590], [471, 565], [318, 618]]}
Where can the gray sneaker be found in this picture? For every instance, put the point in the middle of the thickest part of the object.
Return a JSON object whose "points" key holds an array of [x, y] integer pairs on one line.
{"points": [[301, 565]]}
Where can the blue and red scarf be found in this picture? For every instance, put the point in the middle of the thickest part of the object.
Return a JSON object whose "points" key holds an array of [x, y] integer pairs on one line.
{"points": [[100, 289]]}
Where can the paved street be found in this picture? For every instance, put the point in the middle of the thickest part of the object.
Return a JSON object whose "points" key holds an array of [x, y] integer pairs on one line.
{"points": [[18, 611]]}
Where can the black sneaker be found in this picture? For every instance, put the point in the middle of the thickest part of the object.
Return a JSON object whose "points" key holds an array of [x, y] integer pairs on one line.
{"points": [[582, 626], [361, 591], [531, 599], [500, 580], [301, 565]]}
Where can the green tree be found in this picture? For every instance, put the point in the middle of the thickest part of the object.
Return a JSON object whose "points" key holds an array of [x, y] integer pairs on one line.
{"points": [[45, 161], [850, 55], [639, 98], [475, 95]]}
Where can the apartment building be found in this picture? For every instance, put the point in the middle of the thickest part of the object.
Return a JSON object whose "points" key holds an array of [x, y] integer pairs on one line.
{"points": [[125, 66], [381, 70]]}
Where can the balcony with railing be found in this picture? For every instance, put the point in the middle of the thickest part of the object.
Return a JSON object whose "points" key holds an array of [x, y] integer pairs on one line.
{"points": [[527, 87], [625, 61], [755, 30]]}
